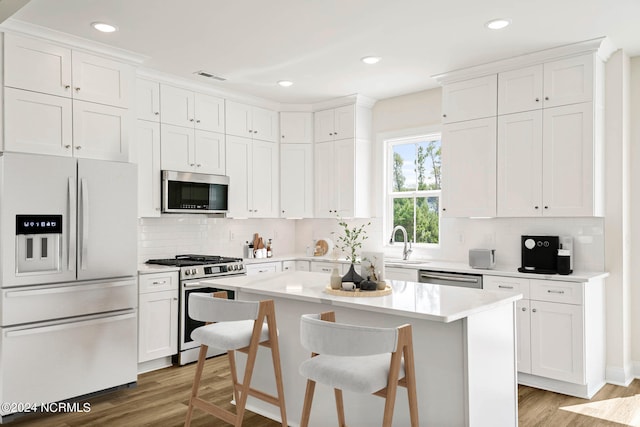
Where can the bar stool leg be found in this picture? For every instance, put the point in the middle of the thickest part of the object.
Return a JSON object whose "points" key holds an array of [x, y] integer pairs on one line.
{"points": [[275, 357], [340, 407], [410, 377], [196, 382], [308, 400], [234, 376]]}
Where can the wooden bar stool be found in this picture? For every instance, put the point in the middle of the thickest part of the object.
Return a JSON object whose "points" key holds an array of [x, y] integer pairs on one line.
{"points": [[359, 359], [240, 327]]}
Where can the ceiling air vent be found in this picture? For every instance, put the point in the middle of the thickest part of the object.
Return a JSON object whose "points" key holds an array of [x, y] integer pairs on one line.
{"points": [[209, 75]]}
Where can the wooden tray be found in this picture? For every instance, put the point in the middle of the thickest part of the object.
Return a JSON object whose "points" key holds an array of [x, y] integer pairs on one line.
{"points": [[358, 293]]}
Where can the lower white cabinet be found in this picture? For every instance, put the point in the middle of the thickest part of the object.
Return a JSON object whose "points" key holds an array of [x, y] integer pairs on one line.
{"points": [[557, 322], [263, 267], [302, 266], [157, 315], [398, 273], [288, 266], [328, 266]]}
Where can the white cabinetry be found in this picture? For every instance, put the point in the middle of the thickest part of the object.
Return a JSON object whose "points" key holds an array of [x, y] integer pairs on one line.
{"points": [[520, 90], [148, 100], [296, 180], [470, 99], [182, 107], [302, 265], [147, 157], [189, 150], [288, 266], [336, 123], [296, 127], [560, 333], [100, 131], [469, 182], [252, 167], [398, 273], [157, 315], [265, 267], [251, 122]]}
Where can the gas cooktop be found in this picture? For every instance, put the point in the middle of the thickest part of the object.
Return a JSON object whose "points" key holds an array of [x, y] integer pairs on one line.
{"points": [[189, 260]]}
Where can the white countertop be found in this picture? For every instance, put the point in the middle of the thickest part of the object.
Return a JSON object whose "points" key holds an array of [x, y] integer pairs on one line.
{"points": [[419, 300], [155, 268]]}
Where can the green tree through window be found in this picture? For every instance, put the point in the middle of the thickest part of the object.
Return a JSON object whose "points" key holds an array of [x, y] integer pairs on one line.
{"points": [[414, 195]]}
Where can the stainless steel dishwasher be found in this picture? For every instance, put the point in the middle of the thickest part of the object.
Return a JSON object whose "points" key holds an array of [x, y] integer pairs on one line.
{"points": [[464, 280]]}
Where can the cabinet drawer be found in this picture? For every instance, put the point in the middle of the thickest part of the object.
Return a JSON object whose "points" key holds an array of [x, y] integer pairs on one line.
{"points": [[288, 266], [507, 284], [325, 267], [302, 266], [158, 282], [556, 291], [407, 274], [267, 267]]}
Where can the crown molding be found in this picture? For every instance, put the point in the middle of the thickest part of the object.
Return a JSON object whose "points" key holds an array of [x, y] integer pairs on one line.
{"points": [[67, 40], [601, 46]]}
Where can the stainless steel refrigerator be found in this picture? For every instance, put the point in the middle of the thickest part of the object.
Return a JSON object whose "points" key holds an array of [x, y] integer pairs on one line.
{"points": [[68, 312]]}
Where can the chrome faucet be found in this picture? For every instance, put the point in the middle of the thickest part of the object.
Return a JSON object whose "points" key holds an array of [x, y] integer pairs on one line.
{"points": [[406, 251]]}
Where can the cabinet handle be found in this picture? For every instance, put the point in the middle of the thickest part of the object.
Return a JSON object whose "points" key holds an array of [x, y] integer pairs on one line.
{"points": [[175, 299], [198, 165], [157, 113], [330, 134], [505, 287], [67, 146], [283, 136], [77, 89], [192, 164], [444, 115], [524, 308], [67, 86], [444, 209], [159, 283], [197, 121], [546, 207], [537, 99], [546, 98], [534, 310], [535, 207], [283, 211], [335, 133], [255, 131], [550, 291], [78, 147], [191, 120]]}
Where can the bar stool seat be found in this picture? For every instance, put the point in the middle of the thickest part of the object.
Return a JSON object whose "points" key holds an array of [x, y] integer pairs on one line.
{"points": [[240, 326], [228, 335]]}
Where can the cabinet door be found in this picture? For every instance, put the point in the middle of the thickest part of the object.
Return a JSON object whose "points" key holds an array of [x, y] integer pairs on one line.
{"points": [[325, 267], [296, 180], [148, 160], [469, 168], [101, 80], [238, 164], [264, 124], [568, 81], [177, 106], [407, 274], [324, 181], [296, 127], [238, 119], [36, 65], [100, 131], [323, 125], [520, 164], [37, 123], [302, 266], [557, 341], [520, 90], [344, 171], [288, 266], [209, 113], [470, 99], [264, 179], [568, 161], [177, 148], [158, 325], [148, 100], [523, 339], [210, 152], [345, 122]]}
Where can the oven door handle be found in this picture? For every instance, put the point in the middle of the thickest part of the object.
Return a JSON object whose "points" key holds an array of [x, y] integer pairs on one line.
{"points": [[191, 285]]}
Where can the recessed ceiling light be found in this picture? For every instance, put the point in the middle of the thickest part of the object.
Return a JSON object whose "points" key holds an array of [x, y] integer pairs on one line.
{"points": [[498, 24], [105, 28], [370, 59], [285, 83]]}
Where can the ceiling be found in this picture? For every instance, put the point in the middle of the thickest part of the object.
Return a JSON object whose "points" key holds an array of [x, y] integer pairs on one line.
{"points": [[317, 44]]}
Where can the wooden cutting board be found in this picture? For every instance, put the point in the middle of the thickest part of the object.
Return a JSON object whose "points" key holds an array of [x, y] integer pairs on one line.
{"points": [[256, 240]]}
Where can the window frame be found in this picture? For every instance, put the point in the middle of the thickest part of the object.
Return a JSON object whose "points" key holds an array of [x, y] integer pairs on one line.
{"points": [[390, 195]]}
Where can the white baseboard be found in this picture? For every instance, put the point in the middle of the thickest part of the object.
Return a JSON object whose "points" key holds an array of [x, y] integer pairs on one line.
{"points": [[622, 376], [153, 365]]}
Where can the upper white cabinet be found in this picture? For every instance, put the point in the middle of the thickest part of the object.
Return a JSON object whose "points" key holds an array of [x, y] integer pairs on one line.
{"points": [[336, 123], [562, 82], [39, 66], [296, 127], [469, 181], [182, 107], [251, 122], [296, 180], [189, 150], [100, 131], [147, 156], [470, 99], [252, 167], [148, 100]]}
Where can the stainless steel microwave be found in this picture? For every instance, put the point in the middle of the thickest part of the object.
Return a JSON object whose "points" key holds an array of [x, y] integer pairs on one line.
{"points": [[184, 192]]}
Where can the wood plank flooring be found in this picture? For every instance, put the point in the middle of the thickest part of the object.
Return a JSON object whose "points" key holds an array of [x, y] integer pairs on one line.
{"points": [[161, 398]]}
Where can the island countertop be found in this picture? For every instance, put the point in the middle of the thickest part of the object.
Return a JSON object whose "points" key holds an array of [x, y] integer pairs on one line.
{"points": [[418, 300]]}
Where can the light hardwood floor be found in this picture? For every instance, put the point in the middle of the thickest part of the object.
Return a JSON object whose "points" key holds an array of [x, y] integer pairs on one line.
{"points": [[161, 398]]}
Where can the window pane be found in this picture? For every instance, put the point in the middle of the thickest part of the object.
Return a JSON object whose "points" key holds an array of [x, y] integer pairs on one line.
{"points": [[428, 165], [427, 219], [403, 211], [404, 174]]}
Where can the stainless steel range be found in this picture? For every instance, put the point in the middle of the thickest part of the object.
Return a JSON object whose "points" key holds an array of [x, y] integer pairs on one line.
{"points": [[194, 268]]}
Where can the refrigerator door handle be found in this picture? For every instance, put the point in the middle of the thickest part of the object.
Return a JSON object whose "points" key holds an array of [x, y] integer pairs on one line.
{"points": [[71, 219], [84, 223]]}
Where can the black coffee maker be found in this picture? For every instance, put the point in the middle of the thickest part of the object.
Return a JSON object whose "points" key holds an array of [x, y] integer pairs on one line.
{"points": [[539, 254]]}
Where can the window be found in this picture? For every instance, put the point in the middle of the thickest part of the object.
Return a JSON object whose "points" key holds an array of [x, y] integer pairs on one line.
{"points": [[413, 187]]}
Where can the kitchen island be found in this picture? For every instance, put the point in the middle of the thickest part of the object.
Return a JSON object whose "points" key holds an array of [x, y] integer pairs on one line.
{"points": [[464, 345]]}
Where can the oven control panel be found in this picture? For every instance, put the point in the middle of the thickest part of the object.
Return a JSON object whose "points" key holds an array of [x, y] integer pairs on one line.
{"points": [[213, 270]]}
